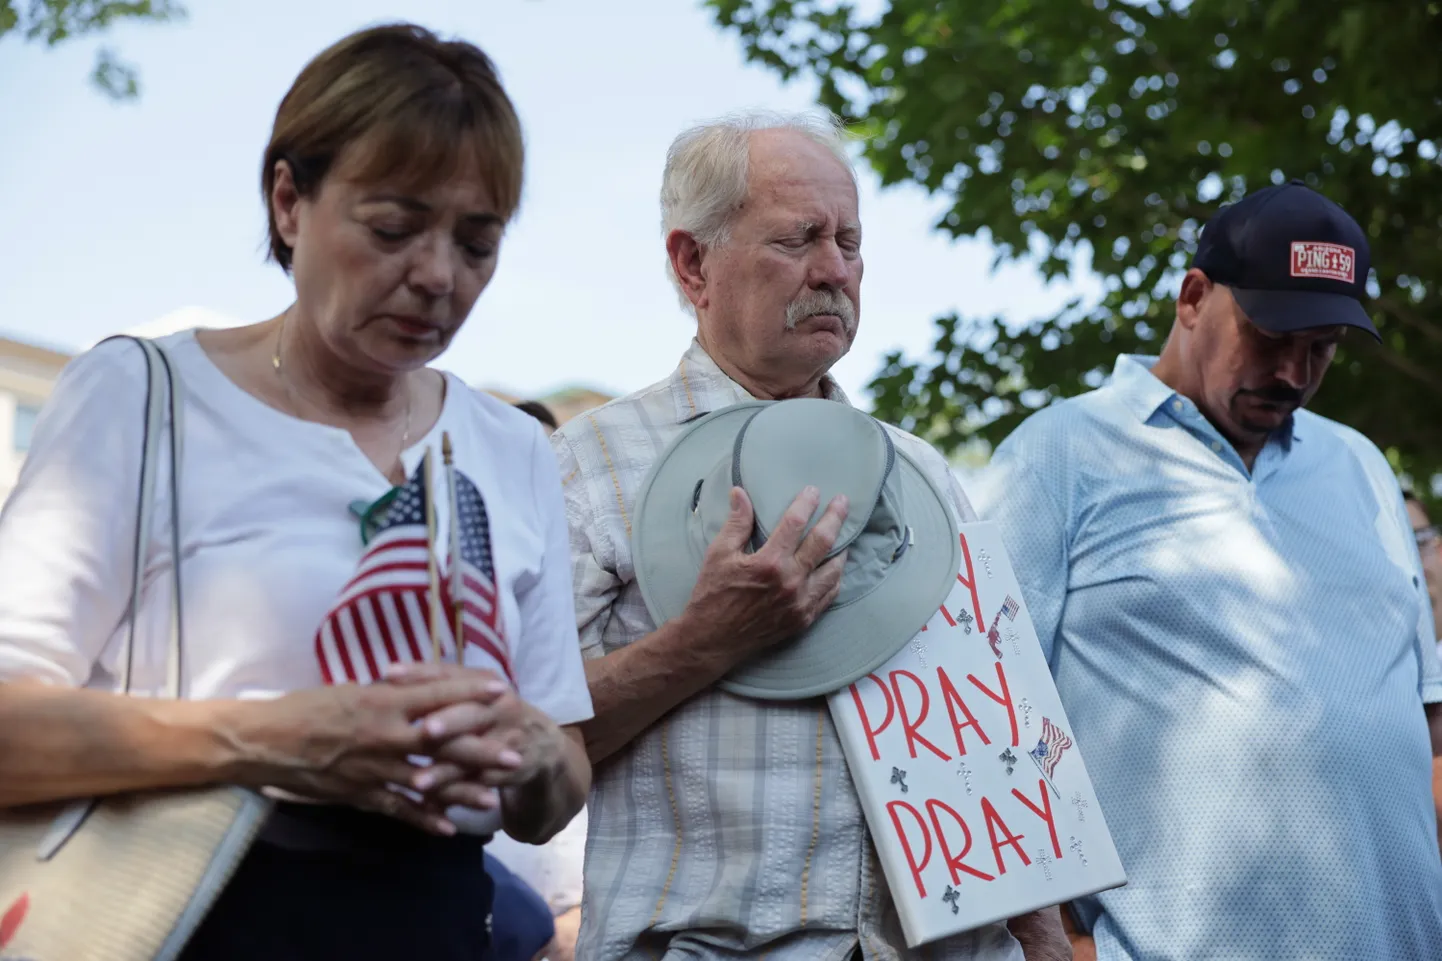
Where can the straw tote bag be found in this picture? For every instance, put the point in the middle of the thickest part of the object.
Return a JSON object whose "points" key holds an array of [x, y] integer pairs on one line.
{"points": [[127, 877]]}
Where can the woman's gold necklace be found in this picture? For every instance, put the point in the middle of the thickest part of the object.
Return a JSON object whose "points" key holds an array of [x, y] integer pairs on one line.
{"points": [[290, 394]]}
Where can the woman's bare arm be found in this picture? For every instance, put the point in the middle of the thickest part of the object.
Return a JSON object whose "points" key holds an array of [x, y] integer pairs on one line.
{"points": [[61, 742], [349, 744]]}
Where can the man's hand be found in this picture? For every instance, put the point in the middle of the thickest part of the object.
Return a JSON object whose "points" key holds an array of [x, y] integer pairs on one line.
{"points": [[742, 604], [568, 928], [1083, 946], [749, 602], [1042, 936]]}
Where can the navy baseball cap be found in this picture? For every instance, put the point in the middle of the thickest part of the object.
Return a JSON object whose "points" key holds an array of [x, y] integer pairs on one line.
{"points": [[1293, 259]]}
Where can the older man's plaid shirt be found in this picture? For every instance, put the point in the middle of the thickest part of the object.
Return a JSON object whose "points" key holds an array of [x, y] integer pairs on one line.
{"points": [[731, 827]]}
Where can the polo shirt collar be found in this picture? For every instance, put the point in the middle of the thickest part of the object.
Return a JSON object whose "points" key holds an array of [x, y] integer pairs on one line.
{"points": [[1144, 394], [699, 386], [1138, 388]]}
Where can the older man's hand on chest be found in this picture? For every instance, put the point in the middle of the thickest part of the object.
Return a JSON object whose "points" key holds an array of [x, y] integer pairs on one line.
{"points": [[752, 601], [743, 604]]}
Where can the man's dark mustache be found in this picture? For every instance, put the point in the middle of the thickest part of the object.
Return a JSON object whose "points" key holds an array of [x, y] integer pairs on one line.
{"points": [[1277, 395]]}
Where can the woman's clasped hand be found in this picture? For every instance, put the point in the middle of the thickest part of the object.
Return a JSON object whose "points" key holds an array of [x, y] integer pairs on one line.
{"points": [[429, 737]]}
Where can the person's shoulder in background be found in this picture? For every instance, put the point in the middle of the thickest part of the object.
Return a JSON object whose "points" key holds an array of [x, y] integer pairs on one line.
{"points": [[540, 413], [501, 419]]}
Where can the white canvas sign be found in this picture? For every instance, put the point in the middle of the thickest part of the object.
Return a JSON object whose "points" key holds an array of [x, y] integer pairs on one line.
{"points": [[972, 780]]}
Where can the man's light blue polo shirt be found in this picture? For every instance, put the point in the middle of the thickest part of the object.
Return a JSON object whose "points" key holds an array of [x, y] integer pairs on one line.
{"points": [[1244, 658]]}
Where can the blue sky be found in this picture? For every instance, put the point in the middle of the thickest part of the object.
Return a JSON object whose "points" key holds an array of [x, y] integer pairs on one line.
{"points": [[114, 215]]}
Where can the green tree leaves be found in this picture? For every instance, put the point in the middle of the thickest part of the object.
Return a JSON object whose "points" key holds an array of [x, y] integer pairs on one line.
{"points": [[1106, 132], [55, 21]]}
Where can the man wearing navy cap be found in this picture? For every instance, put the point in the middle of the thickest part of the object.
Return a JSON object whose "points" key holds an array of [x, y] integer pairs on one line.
{"points": [[1231, 600]]}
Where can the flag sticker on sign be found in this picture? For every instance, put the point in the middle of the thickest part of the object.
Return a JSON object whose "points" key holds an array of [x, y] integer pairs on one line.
{"points": [[1048, 751]]}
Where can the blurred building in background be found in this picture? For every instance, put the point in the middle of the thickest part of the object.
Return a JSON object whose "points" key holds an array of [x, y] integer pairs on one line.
{"points": [[27, 372]]}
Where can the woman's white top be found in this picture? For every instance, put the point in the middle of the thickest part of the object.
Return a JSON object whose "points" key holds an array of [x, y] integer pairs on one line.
{"points": [[268, 536]]}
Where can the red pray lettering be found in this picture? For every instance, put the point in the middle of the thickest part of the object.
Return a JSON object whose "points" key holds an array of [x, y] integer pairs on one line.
{"points": [[969, 582], [954, 862], [994, 821], [14, 915], [1004, 699], [1043, 812], [911, 862], [953, 701], [866, 721], [908, 726]]}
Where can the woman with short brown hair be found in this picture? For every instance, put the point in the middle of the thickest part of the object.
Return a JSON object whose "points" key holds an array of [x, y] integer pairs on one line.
{"points": [[310, 661]]}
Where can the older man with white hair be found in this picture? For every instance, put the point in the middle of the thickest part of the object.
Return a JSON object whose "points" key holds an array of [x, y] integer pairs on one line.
{"points": [[724, 827]]}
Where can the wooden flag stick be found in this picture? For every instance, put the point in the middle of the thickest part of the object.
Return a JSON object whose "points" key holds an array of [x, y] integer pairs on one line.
{"points": [[434, 620], [457, 587]]}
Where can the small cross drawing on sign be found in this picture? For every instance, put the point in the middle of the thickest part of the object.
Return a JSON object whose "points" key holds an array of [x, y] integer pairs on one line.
{"points": [[1007, 758], [1043, 857], [898, 776], [950, 898], [985, 559], [918, 647], [965, 619], [964, 772], [1081, 804], [1076, 848], [1026, 710]]}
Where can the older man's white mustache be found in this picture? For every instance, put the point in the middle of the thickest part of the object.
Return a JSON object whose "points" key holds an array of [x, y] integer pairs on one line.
{"points": [[821, 303]]}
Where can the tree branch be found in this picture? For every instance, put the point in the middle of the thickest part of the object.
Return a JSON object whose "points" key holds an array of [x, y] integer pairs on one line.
{"points": [[1417, 372], [1408, 316]]}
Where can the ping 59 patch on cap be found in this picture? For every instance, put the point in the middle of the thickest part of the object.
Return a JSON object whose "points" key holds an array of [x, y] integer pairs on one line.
{"points": [[1321, 261]]}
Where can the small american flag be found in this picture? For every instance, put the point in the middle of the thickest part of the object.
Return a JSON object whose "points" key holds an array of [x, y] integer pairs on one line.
{"points": [[1048, 751], [382, 616], [473, 578], [1011, 608]]}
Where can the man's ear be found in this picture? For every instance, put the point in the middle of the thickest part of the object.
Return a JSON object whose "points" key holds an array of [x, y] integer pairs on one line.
{"points": [[1195, 287], [687, 257]]}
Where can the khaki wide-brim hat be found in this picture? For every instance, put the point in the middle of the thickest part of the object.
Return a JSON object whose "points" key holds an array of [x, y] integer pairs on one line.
{"points": [[902, 539]]}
